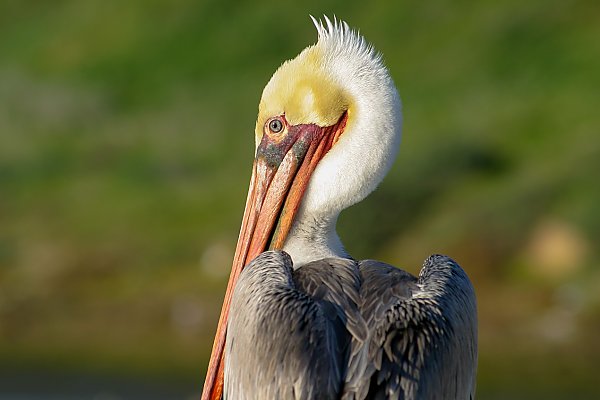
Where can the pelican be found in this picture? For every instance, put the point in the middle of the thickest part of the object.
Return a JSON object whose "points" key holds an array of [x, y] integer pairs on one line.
{"points": [[301, 318]]}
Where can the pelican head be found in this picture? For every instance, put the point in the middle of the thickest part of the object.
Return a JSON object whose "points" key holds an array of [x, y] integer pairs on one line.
{"points": [[336, 94], [328, 130]]}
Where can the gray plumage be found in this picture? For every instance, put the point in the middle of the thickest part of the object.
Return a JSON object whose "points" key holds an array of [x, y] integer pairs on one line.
{"points": [[343, 329]]}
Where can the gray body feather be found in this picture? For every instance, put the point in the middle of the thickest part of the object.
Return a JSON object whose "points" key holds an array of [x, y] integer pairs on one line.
{"points": [[343, 329]]}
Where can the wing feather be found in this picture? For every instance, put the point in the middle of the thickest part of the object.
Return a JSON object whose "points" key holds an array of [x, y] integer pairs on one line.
{"points": [[422, 340], [337, 328], [281, 342]]}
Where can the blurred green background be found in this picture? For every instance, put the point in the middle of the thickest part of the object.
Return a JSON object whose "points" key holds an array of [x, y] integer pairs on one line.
{"points": [[126, 140]]}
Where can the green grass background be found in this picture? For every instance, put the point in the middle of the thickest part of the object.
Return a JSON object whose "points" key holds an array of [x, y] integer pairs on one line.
{"points": [[126, 139]]}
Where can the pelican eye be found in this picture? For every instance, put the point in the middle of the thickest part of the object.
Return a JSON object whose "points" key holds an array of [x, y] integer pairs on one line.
{"points": [[275, 125]]}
